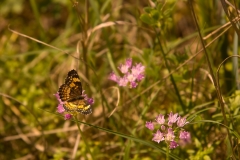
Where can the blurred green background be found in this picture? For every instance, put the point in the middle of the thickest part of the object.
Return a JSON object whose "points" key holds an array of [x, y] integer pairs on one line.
{"points": [[95, 37]]}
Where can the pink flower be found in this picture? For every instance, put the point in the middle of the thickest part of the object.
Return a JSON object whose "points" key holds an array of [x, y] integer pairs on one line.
{"points": [[128, 62], [58, 98], [67, 116], [124, 68], [160, 119], [113, 77], [170, 135], [184, 135], [130, 77], [172, 118], [123, 81], [90, 101], [133, 85], [149, 125], [138, 69], [173, 144], [131, 74], [168, 132], [140, 77], [60, 108], [181, 121], [158, 137], [163, 127]]}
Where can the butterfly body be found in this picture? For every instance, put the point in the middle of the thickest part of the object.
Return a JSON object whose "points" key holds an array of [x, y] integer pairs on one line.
{"points": [[72, 95]]}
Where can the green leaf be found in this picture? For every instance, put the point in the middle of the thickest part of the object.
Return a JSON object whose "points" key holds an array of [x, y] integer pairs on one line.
{"points": [[147, 19]]}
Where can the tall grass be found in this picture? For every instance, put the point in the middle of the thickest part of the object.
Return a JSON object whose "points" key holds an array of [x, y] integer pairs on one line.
{"points": [[190, 53]]}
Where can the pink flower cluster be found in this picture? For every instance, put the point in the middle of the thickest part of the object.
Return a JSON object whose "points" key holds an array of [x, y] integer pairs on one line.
{"points": [[171, 132], [131, 74], [61, 110]]}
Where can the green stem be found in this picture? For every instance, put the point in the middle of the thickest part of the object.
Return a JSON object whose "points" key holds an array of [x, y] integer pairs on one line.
{"points": [[169, 70], [216, 85], [167, 152], [83, 138]]}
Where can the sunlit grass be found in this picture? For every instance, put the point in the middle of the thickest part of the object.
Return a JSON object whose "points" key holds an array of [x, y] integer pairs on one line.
{"points": [[42, 41]]}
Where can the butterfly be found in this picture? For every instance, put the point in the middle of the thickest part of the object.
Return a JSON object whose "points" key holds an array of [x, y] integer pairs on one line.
{"points": [[71, 94]]}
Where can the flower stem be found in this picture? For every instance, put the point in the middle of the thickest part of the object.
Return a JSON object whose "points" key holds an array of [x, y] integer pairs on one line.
{"points": [[83, 138], [167, 152]]}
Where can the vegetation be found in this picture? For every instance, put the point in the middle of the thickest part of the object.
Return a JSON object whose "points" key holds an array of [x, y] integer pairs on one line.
{"points": [[187, 49]]}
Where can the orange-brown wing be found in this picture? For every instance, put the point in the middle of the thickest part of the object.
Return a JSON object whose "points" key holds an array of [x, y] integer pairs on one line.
{"points": [[71, 90], [71, 94], [78, 106]]}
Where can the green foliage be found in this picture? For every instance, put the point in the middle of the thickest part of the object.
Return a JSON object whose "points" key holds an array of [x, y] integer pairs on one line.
{"points": [[203, 154], [159, 34], [11, 6], [158, 16]]}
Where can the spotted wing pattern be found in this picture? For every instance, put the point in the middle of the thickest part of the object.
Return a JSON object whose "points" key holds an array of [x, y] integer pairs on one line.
{"points": [[71, 94]]}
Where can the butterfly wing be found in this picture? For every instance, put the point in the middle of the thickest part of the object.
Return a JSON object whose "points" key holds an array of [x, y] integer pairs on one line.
{"points": [[71, 94], [64, 92], [71, 90], [73, 81], [78, 106]]}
